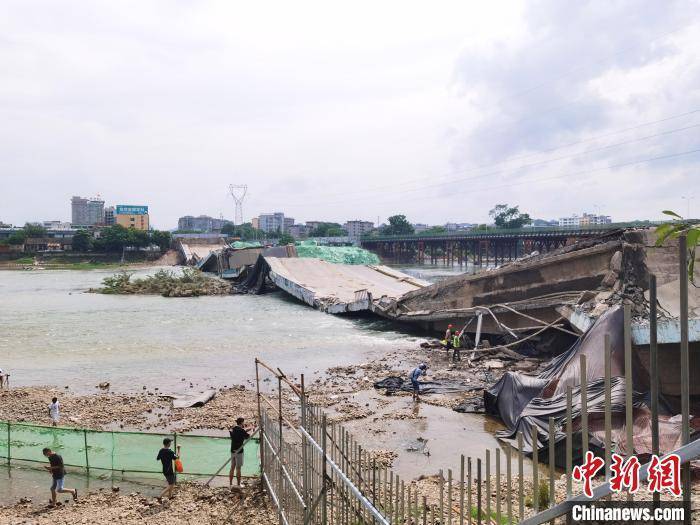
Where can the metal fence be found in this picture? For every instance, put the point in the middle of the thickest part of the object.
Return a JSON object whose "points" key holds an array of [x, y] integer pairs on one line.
{"points": [[316, 472]]}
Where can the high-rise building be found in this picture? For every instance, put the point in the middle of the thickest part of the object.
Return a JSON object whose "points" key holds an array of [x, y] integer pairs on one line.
{"points": [[272, 222], [131, 216], [255, 223], [96, 211], [109, 216], [357, 229], [79, 211], [87, 212]]}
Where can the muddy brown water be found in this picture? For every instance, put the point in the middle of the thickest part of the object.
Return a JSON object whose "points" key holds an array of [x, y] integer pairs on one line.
{"points": [[52, 333]]}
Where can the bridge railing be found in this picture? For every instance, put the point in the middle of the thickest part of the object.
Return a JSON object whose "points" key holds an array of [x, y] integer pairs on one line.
{"points": [[518, 232]]}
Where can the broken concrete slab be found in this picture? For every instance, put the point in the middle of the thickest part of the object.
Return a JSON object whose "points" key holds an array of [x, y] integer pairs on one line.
{"points": [[334, 288]]}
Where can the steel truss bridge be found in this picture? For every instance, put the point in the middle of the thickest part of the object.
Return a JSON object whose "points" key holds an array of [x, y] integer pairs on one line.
{"points": [[483, 247]]}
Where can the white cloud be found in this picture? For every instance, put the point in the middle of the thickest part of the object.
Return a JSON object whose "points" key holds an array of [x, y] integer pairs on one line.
{"points": [[313, 105]]}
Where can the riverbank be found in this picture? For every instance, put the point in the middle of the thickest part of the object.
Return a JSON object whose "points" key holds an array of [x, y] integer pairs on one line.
{"points": [[193, 503], [98, 261]]}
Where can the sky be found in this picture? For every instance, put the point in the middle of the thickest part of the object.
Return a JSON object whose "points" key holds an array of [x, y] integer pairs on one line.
{"points": [[350, 110]]}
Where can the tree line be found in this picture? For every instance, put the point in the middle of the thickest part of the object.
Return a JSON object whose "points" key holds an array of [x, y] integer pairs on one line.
{"points": [[110, 239]]}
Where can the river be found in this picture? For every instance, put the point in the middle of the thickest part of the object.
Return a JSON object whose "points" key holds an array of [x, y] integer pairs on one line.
{"points": [[54, 333]]}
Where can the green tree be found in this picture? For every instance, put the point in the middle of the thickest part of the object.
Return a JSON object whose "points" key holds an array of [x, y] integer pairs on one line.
{"points": [[162, 238], [113, 238], [679, 226], [34, 230], [82, 241], [285, 238], [229, 229], [398, 225], [17, 237], [435, 230], [505, 216], [137, 238], [328, 229]]}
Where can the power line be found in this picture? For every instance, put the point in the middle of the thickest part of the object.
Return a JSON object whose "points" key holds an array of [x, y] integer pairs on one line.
{"points": [[519, 157], [515, 169], [545, 179]]}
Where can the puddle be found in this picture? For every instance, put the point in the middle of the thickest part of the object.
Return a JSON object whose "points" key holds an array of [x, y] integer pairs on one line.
{"points": [[427, 438]]}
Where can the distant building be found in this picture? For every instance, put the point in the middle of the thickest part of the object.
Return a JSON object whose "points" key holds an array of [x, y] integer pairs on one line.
{"points": [[312, 225], [456, 226], [541, 223], [96, 211], [588, 219], [109, 216], [202, 223], [56, 225], [87, 212], [255, 223], [298, 230], [357, 229], [131, 216], [288, 221], [418, 227], [272, 222]]}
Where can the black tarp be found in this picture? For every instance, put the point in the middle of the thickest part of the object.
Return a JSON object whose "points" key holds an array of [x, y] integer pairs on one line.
{"points": [[394, 384]]}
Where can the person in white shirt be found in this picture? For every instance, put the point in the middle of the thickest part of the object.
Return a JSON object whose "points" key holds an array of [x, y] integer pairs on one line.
{"points": [[2, 379], [54, 411]]}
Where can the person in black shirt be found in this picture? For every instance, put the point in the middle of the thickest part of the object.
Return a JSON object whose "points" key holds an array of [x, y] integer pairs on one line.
{"points": [[58, 473], [167, 456], [238, 436]]}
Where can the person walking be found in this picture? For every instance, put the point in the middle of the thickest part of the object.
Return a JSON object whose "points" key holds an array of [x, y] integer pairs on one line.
{"points": [[238, 436], [4, 377], [166, 456], [58, 474], [420, 370], [54, 411]]}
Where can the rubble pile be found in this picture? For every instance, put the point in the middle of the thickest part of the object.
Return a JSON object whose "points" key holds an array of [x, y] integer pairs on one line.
{"points": [[192, 503], [30, 405]]}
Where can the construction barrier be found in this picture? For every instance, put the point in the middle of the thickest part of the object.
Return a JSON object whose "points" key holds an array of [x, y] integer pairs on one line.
{"points": [[121, 451]]}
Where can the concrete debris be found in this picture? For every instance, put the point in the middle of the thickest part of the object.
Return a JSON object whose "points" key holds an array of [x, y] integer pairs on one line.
{"points": [[332, 288], [193, 400]]}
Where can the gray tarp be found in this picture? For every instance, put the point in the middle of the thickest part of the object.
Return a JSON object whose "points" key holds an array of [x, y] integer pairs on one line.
{"points": [[524, 402]]}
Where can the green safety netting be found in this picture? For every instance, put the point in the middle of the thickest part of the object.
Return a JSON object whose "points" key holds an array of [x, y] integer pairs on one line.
{"points": [[245, 244], [120, 451], [336, 254]]}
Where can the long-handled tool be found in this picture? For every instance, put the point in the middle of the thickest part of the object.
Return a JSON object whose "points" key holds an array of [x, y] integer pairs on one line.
{"points": [[229, 459]]}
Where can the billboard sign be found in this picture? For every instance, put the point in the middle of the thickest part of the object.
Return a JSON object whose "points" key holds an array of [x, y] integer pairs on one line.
{"points": [[128, 209]]}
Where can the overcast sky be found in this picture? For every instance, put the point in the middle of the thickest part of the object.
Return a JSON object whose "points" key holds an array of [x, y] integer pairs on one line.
{"points": [[437, 110]]}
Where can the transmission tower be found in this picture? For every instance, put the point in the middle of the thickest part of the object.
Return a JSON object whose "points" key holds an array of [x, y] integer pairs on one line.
{"points": [[238, 192]]}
